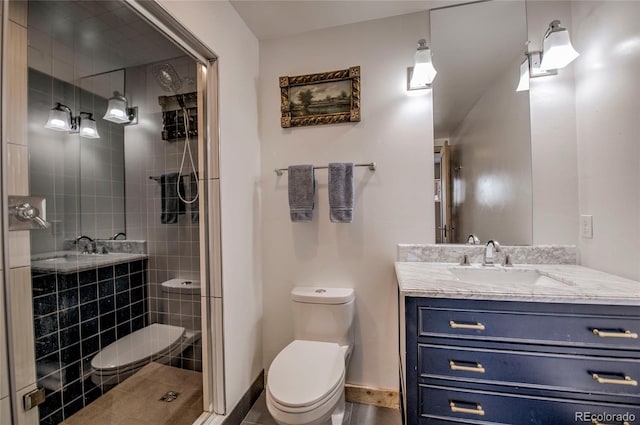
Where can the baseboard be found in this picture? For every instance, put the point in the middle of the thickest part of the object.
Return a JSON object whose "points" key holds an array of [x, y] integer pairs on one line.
{"points": [[241, 409], [381, 397]]}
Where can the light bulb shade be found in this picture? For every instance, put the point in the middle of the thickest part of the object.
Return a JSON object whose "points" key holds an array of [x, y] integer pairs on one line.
{"points": [[523, 85], [557, 51], [423, 70], [88, 128], [117, 110], [59, 119]]}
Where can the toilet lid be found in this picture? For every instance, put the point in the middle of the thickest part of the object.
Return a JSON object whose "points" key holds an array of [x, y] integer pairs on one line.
{"points": [[138, 346], [305, 372]]}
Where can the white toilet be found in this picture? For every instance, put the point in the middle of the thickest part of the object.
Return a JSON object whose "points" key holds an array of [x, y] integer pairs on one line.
{"points": [[305, 383], [156, 342]]}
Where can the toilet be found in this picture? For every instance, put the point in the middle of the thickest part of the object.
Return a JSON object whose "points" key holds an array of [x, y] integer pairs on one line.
{"points": [[157, 342], [305, 384]]}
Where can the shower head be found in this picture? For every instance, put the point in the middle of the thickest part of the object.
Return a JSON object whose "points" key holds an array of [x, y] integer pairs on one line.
{"points": [[167, 77]]}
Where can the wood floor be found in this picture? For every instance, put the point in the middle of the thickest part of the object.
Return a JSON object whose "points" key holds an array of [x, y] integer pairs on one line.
{"points": [[136, 401]]}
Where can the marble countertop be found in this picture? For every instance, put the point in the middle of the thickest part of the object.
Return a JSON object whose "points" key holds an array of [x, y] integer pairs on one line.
{"points": [[561, 283], [73, 261]]}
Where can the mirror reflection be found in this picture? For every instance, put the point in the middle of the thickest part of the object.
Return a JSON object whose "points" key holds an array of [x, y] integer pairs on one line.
{"points": [[482, 131]]}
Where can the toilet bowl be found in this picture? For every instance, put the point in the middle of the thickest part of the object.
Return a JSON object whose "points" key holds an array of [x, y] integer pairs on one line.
{"points": [[305, 383], [162, 343], [124, 357]]}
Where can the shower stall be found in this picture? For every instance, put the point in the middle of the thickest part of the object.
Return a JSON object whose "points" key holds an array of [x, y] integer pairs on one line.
{"points": [[110, 226]]}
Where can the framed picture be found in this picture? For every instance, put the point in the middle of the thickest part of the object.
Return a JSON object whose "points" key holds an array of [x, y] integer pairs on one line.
{"points": [[326, 98]]}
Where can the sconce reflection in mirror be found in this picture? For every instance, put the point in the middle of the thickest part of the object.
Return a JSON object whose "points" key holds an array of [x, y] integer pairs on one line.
{"points": [[119, 112], [422, 74], [61, 119], [557, 53]]}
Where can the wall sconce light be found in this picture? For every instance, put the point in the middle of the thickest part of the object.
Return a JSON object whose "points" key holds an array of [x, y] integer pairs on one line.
{"points": [[88, 126], [118, 110], [557, 51], [530, 68], [60, 119], [421, 75]]}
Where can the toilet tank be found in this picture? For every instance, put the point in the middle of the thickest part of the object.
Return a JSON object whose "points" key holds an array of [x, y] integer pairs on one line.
{"points": [[323, 314], [180, 304]]}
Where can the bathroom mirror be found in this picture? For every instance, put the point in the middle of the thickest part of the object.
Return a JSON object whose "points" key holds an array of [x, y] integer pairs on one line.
{"points": [[482, 155], [83, 179]]}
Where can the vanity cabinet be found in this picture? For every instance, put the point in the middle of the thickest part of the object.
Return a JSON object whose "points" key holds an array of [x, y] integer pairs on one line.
{"points": [[504, 362]]}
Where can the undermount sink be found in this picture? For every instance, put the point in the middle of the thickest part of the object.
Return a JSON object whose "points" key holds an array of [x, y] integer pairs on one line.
{"points": [[498, 275]]}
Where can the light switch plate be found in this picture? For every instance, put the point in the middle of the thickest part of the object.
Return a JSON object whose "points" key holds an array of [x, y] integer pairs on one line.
{"points": [[586, 226]]}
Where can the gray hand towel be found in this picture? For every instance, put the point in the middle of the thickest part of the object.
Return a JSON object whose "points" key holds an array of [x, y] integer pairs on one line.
{"points": [[341, 193], [194, 206], [302, 187], [171, 204]]}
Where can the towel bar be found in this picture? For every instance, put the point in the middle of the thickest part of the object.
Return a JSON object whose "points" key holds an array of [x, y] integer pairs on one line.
{"points": [[371, 165]]}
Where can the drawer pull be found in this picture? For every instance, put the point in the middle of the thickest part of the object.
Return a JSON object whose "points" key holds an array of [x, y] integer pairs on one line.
{"points": [[477, 411], [625, 334], [477, 368], [477, 326], [625, 381]]}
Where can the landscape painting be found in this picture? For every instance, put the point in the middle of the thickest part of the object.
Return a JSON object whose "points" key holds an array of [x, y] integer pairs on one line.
{"points": [[324, 98]]}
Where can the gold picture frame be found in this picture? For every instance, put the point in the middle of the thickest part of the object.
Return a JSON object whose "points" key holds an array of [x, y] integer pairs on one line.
{"points": [[325, 98]]}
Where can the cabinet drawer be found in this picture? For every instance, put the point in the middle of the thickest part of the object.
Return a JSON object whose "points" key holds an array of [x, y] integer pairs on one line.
{"points": [[559, 372], [440, 404], [586, 331]]}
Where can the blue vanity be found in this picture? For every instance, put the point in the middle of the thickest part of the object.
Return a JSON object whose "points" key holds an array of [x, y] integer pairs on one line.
{"points": [[560, 350]]}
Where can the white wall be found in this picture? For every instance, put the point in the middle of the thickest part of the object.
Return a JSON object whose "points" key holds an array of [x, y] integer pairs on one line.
{"points": [[608, 128], [393, 205], [218, 25], [553, 137], [492, 144]]}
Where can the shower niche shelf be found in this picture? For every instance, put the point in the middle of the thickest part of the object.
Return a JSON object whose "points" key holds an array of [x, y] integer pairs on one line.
{"points": [[173, 128]]}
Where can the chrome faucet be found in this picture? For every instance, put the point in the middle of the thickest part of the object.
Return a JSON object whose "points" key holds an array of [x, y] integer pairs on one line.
{"points": [[489, 248], [92, 244], [473, 240]]}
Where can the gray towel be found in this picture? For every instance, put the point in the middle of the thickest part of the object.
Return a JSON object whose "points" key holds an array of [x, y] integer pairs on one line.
{"points": [[341, 193], [171, 204], [302, 187], [194, 206]]}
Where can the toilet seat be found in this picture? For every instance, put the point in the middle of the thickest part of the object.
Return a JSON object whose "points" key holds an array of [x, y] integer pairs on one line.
{"points": [[137, 349], [305, 374]]}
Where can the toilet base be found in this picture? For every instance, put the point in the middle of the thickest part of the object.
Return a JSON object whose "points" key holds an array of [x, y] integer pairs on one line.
{"points": [[333, 417]]}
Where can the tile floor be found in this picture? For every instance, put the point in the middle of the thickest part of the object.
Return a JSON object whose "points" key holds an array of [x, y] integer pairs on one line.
{"points": [[355, 414]]}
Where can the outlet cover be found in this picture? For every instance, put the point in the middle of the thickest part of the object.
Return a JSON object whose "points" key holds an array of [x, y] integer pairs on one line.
{"points": [[586, 226]]}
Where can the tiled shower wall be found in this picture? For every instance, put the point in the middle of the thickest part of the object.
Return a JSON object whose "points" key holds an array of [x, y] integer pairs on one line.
{"points": [[75, 316], [174, 249]]}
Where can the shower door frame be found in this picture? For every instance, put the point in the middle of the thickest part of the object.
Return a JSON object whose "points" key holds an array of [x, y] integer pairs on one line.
{"points": [[210, 227]]}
